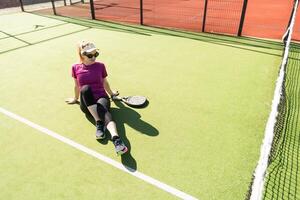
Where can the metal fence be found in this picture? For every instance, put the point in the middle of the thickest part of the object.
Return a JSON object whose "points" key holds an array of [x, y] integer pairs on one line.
{"points": [[257, 18]]}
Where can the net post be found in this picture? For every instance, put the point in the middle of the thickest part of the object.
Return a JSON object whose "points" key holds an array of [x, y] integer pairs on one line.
{"points": [[92, 9], [284, 37], [204, 16], [242, 17], [141, 13], [22, 6], [53, 7]]}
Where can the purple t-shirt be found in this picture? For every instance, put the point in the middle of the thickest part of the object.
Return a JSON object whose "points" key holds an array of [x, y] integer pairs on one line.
{"points": [[91, 75]]}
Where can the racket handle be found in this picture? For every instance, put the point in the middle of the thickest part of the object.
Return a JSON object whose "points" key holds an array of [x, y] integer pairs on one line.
{"points": [[116, 98]]}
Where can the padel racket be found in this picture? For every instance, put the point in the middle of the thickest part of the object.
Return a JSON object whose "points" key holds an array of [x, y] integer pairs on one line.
{"points": [[133, 101]]}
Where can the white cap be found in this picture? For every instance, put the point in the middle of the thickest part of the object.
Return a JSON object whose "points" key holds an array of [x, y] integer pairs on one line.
{"points": [[88, 48]]}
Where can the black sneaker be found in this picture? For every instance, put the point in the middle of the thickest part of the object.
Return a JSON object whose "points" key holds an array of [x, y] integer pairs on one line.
{"points": [[100, 129], [120, 147]]}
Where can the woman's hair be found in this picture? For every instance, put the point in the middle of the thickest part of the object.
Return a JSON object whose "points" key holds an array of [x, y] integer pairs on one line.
{"points": [[81, 45]]}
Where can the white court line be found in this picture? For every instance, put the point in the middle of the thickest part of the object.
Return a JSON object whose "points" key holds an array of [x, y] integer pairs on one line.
{"points": [[99, 156]]}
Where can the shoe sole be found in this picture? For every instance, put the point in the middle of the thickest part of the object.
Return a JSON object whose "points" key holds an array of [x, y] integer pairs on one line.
{"points": [[100, 138], [122, 151]]}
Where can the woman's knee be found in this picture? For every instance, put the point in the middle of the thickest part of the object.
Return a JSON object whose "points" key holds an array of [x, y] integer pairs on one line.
{"points": [[104, 104], [86, 95], [101, 109]]}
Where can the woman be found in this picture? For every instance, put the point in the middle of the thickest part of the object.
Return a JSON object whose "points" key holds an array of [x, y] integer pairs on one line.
{"points": [[92, 84]]}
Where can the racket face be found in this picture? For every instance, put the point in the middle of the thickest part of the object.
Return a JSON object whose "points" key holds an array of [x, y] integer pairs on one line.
{"points": [[135, 100]]}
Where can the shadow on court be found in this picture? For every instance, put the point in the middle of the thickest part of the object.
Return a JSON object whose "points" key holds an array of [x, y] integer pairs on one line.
{"points": [[125, 115]]}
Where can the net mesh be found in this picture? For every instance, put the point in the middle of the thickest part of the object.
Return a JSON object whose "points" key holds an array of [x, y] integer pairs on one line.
{"points": [[263, 20], [253, 18], [283, 170], [282, 108], [275, 176], [223, 16], [118, 10], [186, 15]]}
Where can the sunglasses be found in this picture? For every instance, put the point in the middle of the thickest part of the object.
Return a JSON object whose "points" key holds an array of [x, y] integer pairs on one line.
{"points": [[91, 55]]}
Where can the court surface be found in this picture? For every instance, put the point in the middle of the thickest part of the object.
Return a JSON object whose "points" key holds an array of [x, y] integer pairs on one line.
{"points": [[201, 133]]}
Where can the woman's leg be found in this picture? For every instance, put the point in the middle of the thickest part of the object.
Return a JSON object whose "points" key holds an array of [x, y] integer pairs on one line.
{"points": [[89, 106], [103, 111], [87, 101]]}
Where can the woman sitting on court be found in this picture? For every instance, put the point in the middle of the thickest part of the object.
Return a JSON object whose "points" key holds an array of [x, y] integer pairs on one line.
{"points": [[92, 84]]}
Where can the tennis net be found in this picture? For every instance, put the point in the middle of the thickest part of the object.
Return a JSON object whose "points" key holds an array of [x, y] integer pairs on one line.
{"points": [[275, 133]]}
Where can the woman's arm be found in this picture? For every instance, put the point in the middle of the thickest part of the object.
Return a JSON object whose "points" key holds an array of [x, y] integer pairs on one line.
{"points": [[76, 94], [76, 89], [108, 89]]}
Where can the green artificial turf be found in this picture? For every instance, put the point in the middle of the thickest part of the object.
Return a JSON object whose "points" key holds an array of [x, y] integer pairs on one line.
{"points": [[209, 95], [35, 166]]}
